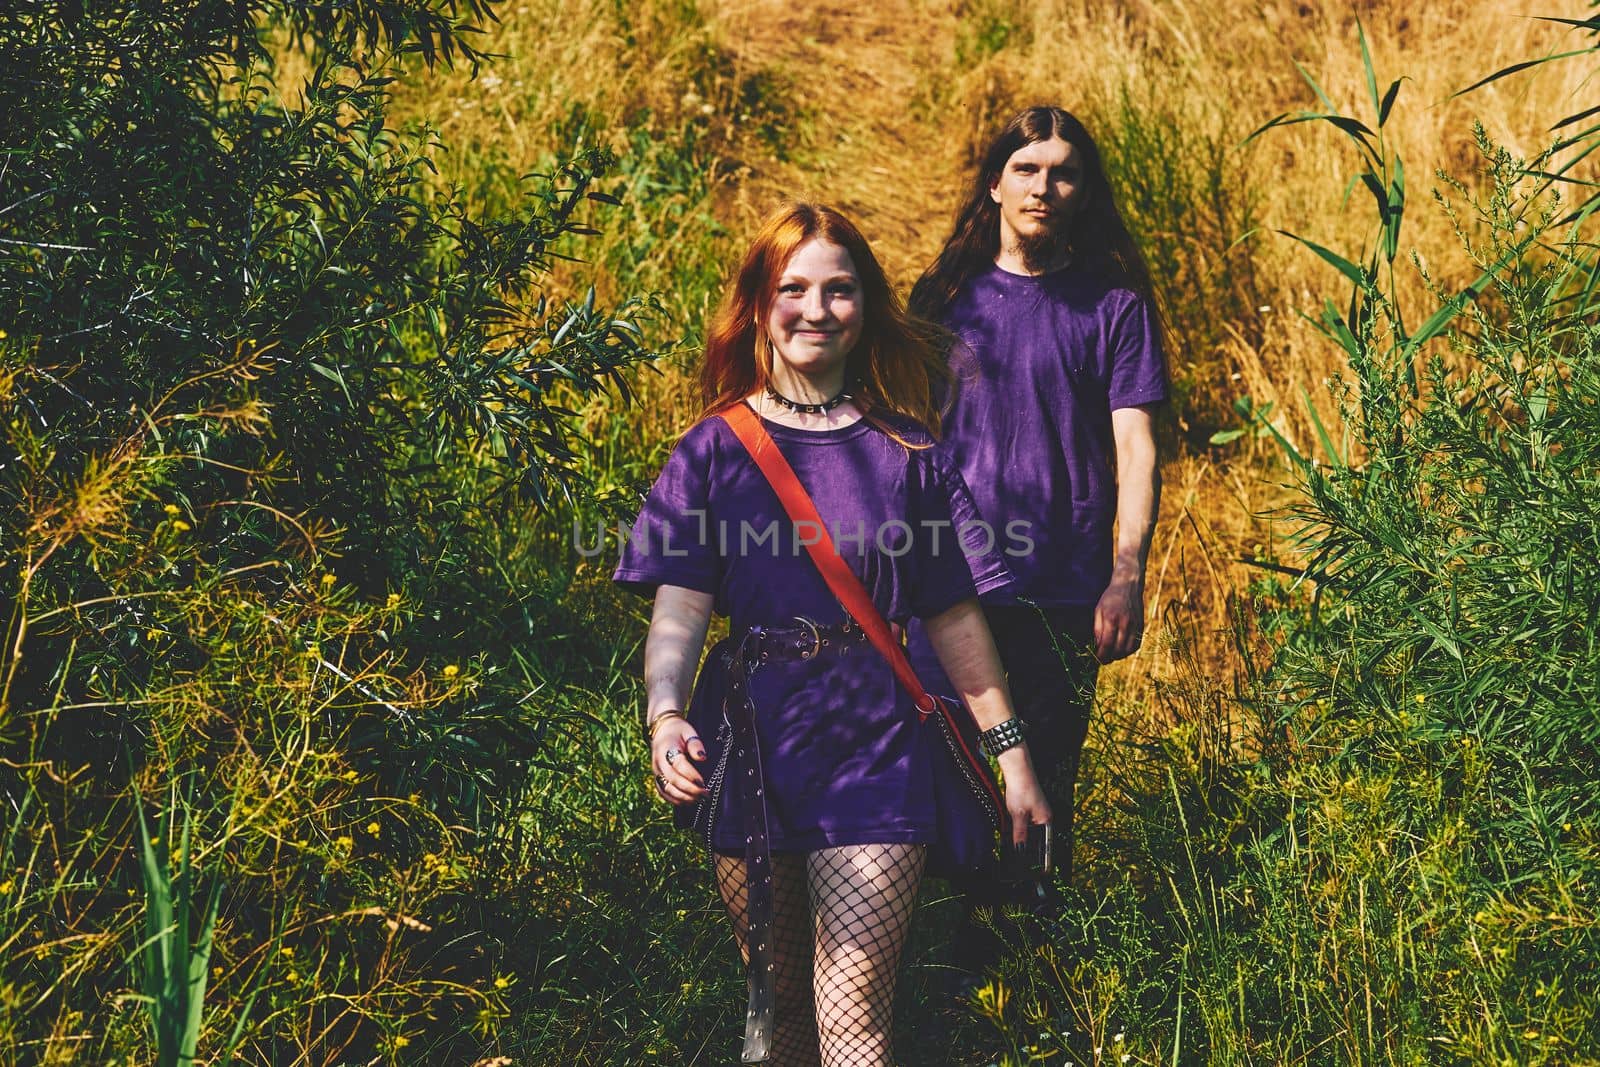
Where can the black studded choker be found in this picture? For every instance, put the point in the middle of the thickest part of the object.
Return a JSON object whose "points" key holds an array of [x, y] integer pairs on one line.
{"points": [[811, 409]]}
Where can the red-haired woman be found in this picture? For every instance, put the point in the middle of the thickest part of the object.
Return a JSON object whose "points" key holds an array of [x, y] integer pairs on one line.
{"points": [[815, 782]]}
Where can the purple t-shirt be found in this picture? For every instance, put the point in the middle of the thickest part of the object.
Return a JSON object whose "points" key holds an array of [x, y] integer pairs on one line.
{"points": [[1043, 363], [847, 759], [901, 517]]}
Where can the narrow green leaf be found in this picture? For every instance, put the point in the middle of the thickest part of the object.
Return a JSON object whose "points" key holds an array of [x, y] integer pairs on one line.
{"points": [[1505, 72], [1332, 326], [333, 375], [1358, 130], [1366, 69], [1344, 266], [1440, 638], [1379, 194], [1327, 103], [1592, 23], [1453, 307], [1334, 456], [1388, 102], [1578, 117]]}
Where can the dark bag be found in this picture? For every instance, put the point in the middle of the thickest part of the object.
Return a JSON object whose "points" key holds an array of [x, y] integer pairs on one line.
{"points": [[970, 810]]}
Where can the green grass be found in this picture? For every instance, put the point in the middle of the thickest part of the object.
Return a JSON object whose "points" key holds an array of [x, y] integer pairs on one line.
{"points": [[415, 822]]}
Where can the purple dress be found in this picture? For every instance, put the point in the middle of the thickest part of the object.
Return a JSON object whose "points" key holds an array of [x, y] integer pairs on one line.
{"points": [[847, 759]]}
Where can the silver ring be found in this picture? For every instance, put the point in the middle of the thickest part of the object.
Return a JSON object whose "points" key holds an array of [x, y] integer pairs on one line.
{"points": [[671, 755]]}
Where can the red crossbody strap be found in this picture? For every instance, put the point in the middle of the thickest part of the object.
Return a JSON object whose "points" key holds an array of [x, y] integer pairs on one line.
{"points": [[746, 426]]}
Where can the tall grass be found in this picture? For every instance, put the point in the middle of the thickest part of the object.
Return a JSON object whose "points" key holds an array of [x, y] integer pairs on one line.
{"points": [[1386, 851], [1174, 90], [423, 805]]}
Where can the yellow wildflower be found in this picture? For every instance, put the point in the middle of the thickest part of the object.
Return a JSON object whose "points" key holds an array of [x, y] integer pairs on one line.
{"points": [[7, 886], [328, 579], [172, 509], [293, 975], [393, 601], [181, 526], [373, 827], [451, 670], [344, 842], [501, 981], [402, 1041]]}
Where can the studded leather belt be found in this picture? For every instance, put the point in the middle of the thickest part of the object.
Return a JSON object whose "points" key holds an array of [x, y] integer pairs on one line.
{"points": [[804, 640]]}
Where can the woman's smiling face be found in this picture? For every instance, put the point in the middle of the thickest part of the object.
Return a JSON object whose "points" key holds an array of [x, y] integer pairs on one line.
{"points": [[817, 312]]}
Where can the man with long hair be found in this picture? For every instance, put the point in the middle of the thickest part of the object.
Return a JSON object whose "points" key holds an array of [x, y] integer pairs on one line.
{"points": [[1058, 369]]}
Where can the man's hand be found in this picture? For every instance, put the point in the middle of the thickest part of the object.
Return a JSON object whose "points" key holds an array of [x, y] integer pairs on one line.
{"points": [[1119, 620], [1119, 616]]}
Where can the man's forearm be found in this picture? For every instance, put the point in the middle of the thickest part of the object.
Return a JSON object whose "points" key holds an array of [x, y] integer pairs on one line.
{"points": [[1138, 493], [1138, 501]]}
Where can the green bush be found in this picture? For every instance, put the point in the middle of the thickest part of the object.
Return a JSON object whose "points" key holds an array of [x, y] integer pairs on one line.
{"points": [[273, 406], [1386, 852]]}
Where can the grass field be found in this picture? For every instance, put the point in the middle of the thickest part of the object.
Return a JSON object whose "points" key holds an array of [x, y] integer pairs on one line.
{"points": [[1337, 810]]}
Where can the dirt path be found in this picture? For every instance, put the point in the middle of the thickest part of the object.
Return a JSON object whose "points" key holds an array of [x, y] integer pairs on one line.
{"points": [[858, 69]]}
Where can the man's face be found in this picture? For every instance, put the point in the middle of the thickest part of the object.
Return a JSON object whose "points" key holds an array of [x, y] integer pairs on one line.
{"points": [[1039, 190]]}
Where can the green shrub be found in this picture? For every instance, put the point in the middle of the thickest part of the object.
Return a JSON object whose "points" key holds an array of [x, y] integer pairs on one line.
{"points": [[271, 405], [1387, 851]]}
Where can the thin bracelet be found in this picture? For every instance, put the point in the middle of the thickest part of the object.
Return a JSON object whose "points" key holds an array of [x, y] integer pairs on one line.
{"points": [[1002, 736], [655, 723]]}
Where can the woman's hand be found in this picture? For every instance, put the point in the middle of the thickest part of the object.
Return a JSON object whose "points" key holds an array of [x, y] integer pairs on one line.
{"points": [[671, 753], [1024, 797]]}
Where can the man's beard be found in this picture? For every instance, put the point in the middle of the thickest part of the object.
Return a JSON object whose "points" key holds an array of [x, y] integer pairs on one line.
{"points": [[1047, 248]]}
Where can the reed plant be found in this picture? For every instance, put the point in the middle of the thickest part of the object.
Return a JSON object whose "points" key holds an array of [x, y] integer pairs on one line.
{"points": [[1382, 850], [318, 331], [269, 394]]}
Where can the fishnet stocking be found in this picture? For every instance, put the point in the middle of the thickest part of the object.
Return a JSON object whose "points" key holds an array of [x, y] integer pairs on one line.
{"points": [[861, 896], [794, 1030], [837, 956]]}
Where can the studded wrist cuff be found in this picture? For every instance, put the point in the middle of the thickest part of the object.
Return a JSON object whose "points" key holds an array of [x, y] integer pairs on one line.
{"points": [[996, 739]]}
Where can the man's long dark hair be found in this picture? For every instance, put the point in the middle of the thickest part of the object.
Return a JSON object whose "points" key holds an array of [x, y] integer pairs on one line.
{"points": [[1096, 234]]}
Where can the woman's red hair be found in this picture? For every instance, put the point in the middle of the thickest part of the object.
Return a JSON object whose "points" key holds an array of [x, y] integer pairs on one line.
{"points": [[896, 366]]}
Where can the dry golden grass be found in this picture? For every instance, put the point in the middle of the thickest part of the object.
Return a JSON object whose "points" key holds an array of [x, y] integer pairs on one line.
{"points": [[888, 101], [1230, 67]]}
